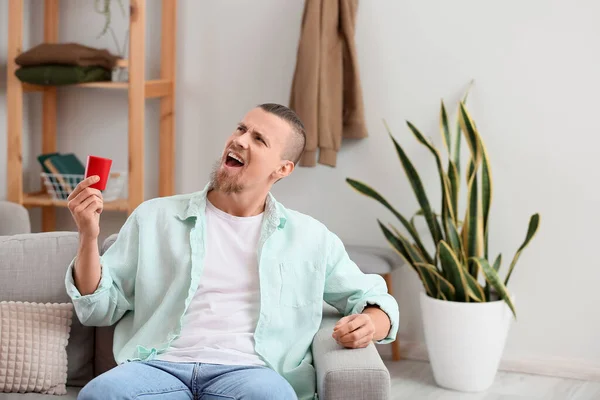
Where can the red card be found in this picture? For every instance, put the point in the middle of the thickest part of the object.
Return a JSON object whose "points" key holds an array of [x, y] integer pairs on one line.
{"points": [[98, 166]]}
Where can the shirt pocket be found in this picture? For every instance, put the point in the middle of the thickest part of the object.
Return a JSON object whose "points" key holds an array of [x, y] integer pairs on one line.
{"points": [[301, 284]]}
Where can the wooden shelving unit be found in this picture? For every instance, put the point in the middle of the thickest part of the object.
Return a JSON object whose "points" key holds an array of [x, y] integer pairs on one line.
{"points": [[41, 199], [138, 88]]}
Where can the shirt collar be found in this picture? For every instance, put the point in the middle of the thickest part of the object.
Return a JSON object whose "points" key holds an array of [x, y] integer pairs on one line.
{"points": [[196, 207]]}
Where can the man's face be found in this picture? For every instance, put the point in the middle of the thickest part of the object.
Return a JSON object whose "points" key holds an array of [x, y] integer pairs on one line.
{"points": [[252, 158]]}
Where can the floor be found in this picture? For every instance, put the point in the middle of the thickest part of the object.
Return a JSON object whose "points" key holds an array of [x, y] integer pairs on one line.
{"points": [[414, 380]]}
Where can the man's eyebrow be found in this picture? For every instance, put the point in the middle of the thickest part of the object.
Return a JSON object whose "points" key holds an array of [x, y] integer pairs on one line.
{"points": [[261, 136], [257, 133]]}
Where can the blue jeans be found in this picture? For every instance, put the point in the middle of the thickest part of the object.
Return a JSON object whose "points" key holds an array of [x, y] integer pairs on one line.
{"points": [[159, 379]]}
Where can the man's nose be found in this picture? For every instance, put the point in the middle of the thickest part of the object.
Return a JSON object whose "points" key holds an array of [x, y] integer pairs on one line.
{"points": [[241, 141]]}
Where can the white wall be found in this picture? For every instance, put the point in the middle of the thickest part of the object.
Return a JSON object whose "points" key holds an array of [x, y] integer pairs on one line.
{"points": [[535, 66]]}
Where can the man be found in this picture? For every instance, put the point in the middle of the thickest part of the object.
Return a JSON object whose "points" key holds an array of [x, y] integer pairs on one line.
{"points": [[218, 294]]}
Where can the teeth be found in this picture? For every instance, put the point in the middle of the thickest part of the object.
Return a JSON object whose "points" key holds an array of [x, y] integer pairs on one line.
{"points": [[235, 157]]}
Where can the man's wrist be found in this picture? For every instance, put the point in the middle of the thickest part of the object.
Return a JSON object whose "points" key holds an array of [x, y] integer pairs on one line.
{"points": [[382, 321], [87, 240], [372, 310]]}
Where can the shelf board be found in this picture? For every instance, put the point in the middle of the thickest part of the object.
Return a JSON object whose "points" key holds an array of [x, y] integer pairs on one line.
{"points": [[43, 199], [154, 88]]}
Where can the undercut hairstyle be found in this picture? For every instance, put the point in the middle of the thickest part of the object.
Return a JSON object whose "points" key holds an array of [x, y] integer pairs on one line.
{"points": [[295, 147]]}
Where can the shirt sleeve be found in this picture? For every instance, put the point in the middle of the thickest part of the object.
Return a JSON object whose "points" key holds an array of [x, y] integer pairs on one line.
{"points": [[350, 290], [114, 295]]}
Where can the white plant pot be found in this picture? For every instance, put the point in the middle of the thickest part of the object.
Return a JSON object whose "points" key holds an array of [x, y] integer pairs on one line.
{"points": [[465, 341]]}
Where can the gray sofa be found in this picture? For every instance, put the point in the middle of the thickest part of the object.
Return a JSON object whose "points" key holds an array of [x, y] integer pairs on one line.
{"points": [[32, 268], [14, 218]]}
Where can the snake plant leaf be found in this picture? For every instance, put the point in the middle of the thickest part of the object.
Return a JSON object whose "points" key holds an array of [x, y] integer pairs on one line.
{"points": [[467, 91], [492, 277], [454, 241], [468, 128], [453, 271], [420, 213], [445, 130], [370, 192], [445, 185], [457, 142], [457, 146], [472, 217], [534, 223], [486, 196], [412, 222], [473, 228], [413, 250], [475, 290], [446, 289], [403, 248], [470, 170], [496, 267], [454, 183], [419, 190], [498, 262], [396, 244], [431, 286]]}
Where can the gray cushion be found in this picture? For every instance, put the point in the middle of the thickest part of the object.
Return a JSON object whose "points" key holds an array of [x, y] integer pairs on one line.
{"points": [[347, 374], [14, 219], [32, 268], [108, 242], [71, 395], [374, 260], [105, 359]]}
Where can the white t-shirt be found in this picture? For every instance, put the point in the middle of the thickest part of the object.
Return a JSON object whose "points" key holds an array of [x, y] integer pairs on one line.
{"points": [[218, 327]]}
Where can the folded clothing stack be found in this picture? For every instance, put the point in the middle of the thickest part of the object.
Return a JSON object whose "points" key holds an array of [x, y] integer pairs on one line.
{"points": [[64, 64]]}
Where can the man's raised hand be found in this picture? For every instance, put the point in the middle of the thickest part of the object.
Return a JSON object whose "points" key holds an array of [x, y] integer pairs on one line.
{"points": [[86, 204]]}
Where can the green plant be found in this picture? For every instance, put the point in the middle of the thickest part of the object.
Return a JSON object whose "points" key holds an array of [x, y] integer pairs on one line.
{"points": [[103, 7], [461, 247]]}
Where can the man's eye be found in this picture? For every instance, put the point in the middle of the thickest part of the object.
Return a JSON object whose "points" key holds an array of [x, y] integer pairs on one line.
{"points": [[239, 128], [260, 139]]}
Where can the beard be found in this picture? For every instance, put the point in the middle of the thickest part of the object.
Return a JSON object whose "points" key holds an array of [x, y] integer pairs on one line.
{"points": [[223, 181]]}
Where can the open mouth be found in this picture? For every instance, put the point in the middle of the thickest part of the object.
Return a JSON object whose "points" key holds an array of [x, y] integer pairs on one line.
{"points": [[234, 161]]}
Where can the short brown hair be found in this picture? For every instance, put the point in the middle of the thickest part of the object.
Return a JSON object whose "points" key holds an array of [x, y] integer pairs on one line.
{"points": [[296, 146]]}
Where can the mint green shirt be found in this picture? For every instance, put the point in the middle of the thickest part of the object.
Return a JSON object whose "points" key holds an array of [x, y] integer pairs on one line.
{"points": [[151, 272]]}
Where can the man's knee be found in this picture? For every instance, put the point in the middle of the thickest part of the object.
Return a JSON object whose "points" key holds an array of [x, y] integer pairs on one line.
{"points": [[272, 386], [270, 393], [99, 388]]}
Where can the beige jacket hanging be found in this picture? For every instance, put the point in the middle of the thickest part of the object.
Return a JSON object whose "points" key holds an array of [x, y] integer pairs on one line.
{"points": [[326, 91]]}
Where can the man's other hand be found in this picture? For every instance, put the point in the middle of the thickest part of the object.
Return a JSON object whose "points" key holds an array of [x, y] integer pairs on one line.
{"points": [[354, 331]]}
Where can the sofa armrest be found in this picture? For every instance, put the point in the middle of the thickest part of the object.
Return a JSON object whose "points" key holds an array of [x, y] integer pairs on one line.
{"points": [[347, 374]]}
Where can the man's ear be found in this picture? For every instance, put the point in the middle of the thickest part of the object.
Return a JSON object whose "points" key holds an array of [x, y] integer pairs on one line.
{"points": [[284, 169]]}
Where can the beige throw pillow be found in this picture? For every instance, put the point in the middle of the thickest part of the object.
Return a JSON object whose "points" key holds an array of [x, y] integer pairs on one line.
{"points": [[33, 341]]}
